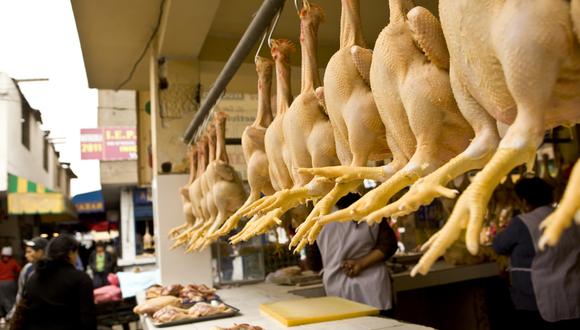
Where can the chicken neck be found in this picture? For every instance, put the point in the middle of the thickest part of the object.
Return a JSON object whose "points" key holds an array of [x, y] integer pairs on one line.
{"points": [[211, 136], [202, 158], [281, 50], [192, 165], [264, 115], [398, 10], [309, 23], [350, 25], [220, 127]]}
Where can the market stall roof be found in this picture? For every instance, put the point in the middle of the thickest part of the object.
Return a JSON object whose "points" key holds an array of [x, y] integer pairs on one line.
{"points": [[29, 198], [113, 33], [91, 202]]}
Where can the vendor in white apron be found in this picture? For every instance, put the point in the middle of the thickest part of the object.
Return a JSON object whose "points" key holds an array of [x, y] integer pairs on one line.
{"points": [[353, 257], [545, 284]]}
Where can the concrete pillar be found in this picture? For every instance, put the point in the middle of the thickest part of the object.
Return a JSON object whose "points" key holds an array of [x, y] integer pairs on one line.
{"points": [[176, 266], [127, 225], [167, 127]]}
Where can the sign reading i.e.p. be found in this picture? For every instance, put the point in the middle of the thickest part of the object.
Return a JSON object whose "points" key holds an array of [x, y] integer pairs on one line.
{"points": [[109, 143]]}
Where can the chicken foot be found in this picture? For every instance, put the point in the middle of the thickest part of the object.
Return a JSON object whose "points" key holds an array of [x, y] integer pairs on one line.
{"points": [[562, 217], [471, 206], [426, 189], [346, 173], [377, 197], [309, 229]]}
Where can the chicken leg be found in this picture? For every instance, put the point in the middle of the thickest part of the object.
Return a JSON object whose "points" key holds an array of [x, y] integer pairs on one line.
{"points": [[307, 131], [524, 76], [410, 82], [562, 217]]}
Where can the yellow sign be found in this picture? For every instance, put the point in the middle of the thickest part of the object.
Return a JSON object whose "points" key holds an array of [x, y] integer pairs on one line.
{"points": [[35, 203]]}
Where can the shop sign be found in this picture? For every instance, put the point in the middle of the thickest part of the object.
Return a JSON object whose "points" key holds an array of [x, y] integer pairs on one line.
{"points": [[90, 207], [109, 143]]}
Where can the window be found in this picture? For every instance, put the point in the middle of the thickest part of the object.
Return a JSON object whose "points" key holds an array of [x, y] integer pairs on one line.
{"points": [[45, 155], [25, 123]]}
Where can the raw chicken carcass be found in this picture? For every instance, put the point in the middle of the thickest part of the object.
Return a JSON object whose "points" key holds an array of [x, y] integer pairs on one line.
{"points": [[226, 189], [569, 207], [358, 130], [514, 62], [243, 326], [151, 306], [187, 207], [307, 133], [253, 146], [170, 314], [410, 84], [204, 309]]}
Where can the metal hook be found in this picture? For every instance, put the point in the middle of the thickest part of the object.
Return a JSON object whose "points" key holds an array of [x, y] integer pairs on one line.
{"points": [[274, 24], [305, 4], [268, 33], [260, 46]]}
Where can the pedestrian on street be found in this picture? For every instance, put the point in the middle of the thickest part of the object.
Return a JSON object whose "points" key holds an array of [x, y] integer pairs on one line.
{"points": [[9, 270], [34, 252], [57, 296], [101, 263]]}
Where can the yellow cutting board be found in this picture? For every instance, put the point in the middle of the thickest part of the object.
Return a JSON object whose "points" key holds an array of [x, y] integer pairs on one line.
{"points": [[314, 310]]}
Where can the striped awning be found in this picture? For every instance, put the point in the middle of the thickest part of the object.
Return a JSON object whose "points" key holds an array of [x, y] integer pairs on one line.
{"points": [[17, 184], [27, 197]]}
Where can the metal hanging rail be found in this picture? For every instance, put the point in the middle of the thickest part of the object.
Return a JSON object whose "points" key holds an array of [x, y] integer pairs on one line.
{"points": [[255, 30]]}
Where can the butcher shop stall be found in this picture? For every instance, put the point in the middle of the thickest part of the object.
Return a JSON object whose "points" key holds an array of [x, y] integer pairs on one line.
{"points": [[350, 164]]}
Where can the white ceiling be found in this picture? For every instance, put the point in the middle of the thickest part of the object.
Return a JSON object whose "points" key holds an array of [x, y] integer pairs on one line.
{"points": [[114, 32]]}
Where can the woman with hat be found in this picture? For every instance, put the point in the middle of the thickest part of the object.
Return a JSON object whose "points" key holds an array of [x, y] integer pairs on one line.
{"points": [[33, 253]]}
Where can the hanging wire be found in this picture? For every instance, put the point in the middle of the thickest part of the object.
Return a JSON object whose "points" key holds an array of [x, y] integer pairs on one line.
{"points": [[260, 46], [305, 4], [268, 33], [273, 26]]}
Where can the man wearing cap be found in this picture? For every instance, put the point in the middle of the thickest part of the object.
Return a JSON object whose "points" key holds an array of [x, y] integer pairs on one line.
{"points": [[34, 252], [9, 270]]}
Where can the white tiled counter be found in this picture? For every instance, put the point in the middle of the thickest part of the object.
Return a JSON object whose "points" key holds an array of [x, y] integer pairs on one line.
{"points": [[248, 299]]}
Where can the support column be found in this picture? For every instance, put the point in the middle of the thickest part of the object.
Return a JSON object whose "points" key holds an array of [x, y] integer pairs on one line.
{"points": [[167, 127]]}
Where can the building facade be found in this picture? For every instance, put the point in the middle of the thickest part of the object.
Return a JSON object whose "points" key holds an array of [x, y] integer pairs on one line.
{"points": [[34, 184]]}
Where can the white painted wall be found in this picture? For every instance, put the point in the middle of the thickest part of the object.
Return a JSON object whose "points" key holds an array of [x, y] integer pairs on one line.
{"points": [[20, 160], [176, 266], [4, 99]]}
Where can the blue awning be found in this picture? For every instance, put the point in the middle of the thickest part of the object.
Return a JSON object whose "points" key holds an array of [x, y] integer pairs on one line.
{"points": [[91, 202]]}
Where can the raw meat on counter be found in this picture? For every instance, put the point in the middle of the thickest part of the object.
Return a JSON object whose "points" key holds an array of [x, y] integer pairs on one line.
{"points": [[197, 293], [153, 291], [173, 313], [170, 314], [151, 306], [243, 326], [172, 290], [190, 293]]}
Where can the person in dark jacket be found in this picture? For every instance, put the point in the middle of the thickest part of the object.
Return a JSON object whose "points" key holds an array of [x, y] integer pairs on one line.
{"points": [[102, 264], [517, 242], [57, 296]]}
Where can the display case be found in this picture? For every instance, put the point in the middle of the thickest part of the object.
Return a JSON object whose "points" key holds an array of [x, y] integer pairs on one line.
{"points": [[239, 263]]}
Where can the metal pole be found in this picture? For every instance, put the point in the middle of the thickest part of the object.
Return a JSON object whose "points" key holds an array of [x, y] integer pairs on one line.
{"points": [[254, 31]]}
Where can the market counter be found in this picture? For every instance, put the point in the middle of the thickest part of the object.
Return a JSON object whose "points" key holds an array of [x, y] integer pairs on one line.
{"points": [[248, 299]]}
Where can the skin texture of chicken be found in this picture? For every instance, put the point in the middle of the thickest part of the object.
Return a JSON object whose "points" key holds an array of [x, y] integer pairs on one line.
{"points": [[411, 87], [187, 208], [562, 217], [253, 145], [226, 190], [195, 195], [308, 134], [358, 130], [512, 61]]}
